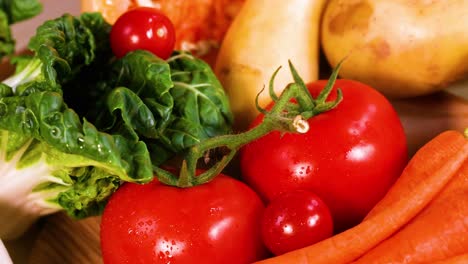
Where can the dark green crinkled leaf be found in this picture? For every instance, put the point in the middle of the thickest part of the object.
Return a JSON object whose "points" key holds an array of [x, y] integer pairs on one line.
{"points": [[90, 192], [7, 43], [12, 11], [86, 165], [171, 106], [138, 120], [149, 77], [45, 117], [100, 29], [5, 90], [19, 10], [201, 103], [143, 102], [64, 45]]}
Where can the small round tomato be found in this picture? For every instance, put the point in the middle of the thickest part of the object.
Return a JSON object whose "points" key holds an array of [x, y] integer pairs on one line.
{"points": [[216, 222], [350, 156], [295, 220], [143, 28]]}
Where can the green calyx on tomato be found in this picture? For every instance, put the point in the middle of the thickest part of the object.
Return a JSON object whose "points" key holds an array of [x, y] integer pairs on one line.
{"points": [[288, 114]]}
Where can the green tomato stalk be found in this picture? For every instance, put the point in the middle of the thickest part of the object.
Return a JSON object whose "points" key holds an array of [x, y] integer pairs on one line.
{"points": [[284, 116]]}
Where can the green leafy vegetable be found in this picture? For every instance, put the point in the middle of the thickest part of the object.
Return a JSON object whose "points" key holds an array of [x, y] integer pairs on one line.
{"points": [[57, 160], [75, 122], [13, 11], [196, 87], [19, 10], [171, 106]]}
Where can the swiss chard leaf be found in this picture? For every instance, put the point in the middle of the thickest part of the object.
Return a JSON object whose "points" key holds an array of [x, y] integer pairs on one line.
{"points": [[12, 11], [200, 100], [7, 42], [65, 45], [45, 117], [19, 10], [169, 105], [149, 78]]}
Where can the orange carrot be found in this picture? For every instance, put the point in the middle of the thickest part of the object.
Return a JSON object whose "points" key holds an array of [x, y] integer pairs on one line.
{"points": [[352, 243], [422, 166], [460, 259], [438, 232]]}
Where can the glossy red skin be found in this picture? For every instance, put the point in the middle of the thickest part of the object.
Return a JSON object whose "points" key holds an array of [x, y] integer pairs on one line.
{"points": [[295, 220], [217, 222], [143, 28], [350, 156]]}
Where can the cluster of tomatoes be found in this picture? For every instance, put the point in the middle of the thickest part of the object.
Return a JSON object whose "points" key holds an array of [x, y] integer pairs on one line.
{"points": [[296, 189]]}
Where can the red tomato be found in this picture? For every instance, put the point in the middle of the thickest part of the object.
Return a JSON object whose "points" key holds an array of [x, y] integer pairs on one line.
{"points": [[143, 28], [295, 220], [200, 25], [350, 156], [216, 222]]}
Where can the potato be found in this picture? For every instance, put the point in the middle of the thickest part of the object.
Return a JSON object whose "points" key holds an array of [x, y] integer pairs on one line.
{"points": [[265, 35], [403, 48]]}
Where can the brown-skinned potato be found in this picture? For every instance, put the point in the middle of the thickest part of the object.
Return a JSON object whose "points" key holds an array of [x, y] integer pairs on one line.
{"points": [[263, 36], [404, 48]]}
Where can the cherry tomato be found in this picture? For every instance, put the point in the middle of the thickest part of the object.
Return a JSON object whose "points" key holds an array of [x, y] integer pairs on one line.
{"points": [[143, 28], [295, 220], [200, 25], [350, 156], [216, 222]]}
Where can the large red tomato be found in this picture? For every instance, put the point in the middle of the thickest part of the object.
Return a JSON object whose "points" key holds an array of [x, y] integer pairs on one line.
{"points": [[350, 156], [216, 222]]}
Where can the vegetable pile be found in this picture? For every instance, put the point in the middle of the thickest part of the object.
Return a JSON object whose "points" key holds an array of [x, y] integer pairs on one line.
{"points": [[428, 225], [76, 121], [112, 120]]}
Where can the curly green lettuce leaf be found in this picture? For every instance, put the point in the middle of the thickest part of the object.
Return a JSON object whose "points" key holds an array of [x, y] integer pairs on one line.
{"points": [[66, 44], [147, 80], [62, 47], [69, 164], [171, 105], [45, 117], [19, 10], [7, 42], [51, 157], [200, 101], [13, 11]]}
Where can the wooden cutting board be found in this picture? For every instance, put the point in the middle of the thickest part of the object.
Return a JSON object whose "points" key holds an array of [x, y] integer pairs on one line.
{"points": [[62, 240]]}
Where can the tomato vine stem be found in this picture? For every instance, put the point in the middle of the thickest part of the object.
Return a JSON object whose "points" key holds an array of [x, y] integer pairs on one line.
{"points": [[285, 116]]}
